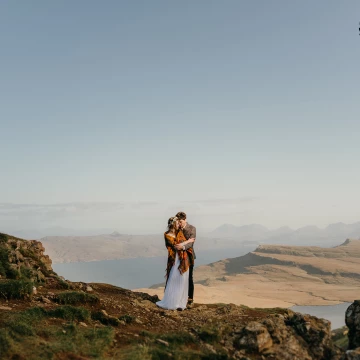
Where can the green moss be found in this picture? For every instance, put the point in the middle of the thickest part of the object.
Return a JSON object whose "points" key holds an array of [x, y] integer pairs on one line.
{"points": [[8, 271], [45, 340], [209, 334], [155, 351], [4, 260], [34, 313], [26, 273], [63, 284], [27, 253], [66, 312], [73, 339], [178, 338], [181, 346], [12, 273], [99, 338], [44, 269], [70, 313], [3, 238], [340, 337], [74, 298], [21, 328], [5, 342], [106, 320], [16, 289], [136, 352]]}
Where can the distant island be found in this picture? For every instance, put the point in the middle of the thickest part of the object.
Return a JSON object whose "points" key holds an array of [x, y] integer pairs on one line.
{"points": [[278, 275]]}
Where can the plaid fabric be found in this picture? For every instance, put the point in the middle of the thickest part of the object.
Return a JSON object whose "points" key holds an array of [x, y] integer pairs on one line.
{"points": [[186, 257]]}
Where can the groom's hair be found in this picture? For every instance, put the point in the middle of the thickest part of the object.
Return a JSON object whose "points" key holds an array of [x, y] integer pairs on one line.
{"points": [[181, 215]]}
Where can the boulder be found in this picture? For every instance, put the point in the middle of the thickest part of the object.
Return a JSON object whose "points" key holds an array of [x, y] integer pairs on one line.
{"points": [[255, 337], [352, 354], [352, 320]]}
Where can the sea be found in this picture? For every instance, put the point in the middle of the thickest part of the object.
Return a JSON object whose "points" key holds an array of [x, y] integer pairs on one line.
{"points": [[333, 313], [138, 272]]}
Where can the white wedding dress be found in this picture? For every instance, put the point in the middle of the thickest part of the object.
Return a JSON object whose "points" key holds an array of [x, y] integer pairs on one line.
{"points": [[177, 287]]}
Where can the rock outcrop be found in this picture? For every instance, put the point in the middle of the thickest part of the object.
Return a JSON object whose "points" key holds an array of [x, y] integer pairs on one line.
{"points": [[352, 319], [23, 259], [216, 331]]}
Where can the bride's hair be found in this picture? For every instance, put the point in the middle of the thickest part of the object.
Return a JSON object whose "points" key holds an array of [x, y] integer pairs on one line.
{"points": [[171, 224]]}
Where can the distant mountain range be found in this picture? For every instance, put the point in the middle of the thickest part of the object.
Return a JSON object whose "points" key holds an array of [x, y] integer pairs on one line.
{"points": [[37, 234], [69, 245], [307, 235], [63, 249]]}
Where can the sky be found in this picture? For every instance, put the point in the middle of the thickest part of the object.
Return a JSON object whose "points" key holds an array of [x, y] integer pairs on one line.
{"points": [[119, 114]]}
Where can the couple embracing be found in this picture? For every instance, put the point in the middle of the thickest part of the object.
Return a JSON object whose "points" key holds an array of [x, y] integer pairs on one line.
{"points": [[179, 241]]}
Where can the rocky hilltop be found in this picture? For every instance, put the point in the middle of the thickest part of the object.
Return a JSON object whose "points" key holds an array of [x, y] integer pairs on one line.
{"points": [[24, 259], [57, 319], [279, 275], [113, 323]]}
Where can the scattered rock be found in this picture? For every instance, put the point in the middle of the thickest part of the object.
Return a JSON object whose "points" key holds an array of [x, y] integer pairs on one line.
{"points": [[352, 354], [5, 308], [82, 324], [210, 348], [104, 312], [163, 342], [45, 300], [255, 337], [147, 304]]}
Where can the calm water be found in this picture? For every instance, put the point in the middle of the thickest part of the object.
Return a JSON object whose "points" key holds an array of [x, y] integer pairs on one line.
{"points": [[138, 272], [334, 313]]}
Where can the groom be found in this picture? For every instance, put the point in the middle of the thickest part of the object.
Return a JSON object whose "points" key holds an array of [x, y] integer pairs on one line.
{"points": [[189, 233]]}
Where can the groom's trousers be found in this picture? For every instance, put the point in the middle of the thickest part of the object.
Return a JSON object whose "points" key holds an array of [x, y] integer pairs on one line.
{"points": [[191, 282]]}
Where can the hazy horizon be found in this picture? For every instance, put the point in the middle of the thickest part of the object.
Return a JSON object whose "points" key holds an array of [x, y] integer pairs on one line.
{"points": [[108, 217], [119, 114]]}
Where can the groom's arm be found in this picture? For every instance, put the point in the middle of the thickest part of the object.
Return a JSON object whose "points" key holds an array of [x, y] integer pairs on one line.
{"points": [[191, 236]]}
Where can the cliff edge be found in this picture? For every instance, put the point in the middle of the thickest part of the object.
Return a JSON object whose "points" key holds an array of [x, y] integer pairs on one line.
{"points": [[59, 319]]}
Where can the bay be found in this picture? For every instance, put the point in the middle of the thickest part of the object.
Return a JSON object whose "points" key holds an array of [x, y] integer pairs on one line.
{"points": [[138, 272]]}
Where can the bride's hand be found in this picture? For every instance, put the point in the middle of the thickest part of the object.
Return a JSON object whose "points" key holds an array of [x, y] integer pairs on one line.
{"points": [[191, 240]]}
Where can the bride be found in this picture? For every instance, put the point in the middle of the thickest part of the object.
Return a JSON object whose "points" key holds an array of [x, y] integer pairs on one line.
{"points": [[177, 272]]}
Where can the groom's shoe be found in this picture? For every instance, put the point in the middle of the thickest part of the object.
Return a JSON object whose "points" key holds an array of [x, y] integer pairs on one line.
{"points": [[179, 309], [190, 303]]}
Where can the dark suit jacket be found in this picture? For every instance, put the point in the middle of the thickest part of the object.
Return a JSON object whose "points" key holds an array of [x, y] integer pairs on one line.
{"points": [[189, 233]]}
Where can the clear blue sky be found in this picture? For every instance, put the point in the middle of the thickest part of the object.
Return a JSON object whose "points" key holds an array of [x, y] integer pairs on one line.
{"points": [[235, 111]]}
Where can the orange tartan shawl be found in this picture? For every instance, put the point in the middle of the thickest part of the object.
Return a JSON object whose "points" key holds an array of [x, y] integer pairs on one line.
{"points": [[185, 259]]}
